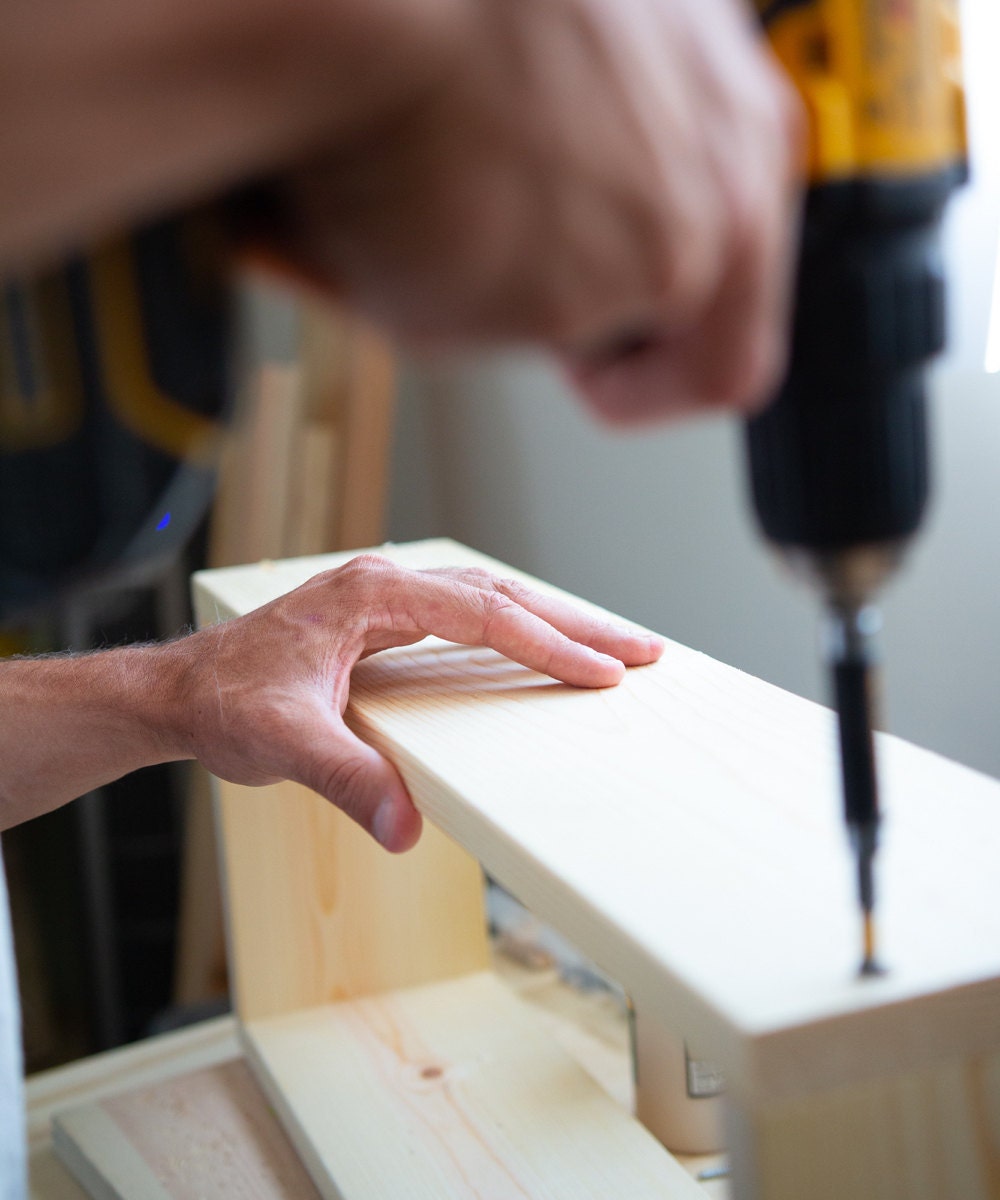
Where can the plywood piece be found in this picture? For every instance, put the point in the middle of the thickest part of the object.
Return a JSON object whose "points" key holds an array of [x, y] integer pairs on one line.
{"points": [[199, 1136], [141, 1064], [684, 830], [451, 1092], [319, 912]]}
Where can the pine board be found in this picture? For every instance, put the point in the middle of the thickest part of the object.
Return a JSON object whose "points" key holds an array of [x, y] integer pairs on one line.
{"points": [[318, 912], [451, 1091], [170, 1114], [202, 1136], [684, 829]]}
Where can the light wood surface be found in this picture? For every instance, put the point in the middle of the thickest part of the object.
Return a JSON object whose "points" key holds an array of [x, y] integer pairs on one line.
{"points": [[349, 389], [318, 912], [448, 1092], [927, 1134], [207, 1135], [684, 829], [588, 1026], [304, 471], [143, 1064]]}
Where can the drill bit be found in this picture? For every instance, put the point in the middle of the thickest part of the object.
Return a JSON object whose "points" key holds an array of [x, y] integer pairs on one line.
{"points": [[853, 662]]}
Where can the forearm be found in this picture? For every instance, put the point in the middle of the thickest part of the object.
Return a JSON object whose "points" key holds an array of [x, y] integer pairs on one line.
{"points": [[70, 724], [113, 110]]}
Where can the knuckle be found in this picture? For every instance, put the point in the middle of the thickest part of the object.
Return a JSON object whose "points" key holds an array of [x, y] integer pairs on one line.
{"points": [[361, 577], [366, 565], [562, 312], [493, 602], [689, 248], [341, 781], [492, 606], [551, 321], [513, 589], [745, 382], [478, 577], [694, 272]]}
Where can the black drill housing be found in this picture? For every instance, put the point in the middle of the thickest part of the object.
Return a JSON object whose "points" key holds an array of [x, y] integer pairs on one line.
{"points": [[840, 459]]}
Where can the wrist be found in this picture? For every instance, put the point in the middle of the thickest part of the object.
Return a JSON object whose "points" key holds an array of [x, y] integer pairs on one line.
{"points": [[72, 724], [162, 693]]}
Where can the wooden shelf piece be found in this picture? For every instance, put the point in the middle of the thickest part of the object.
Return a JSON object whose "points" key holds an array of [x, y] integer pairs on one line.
{"points": [[448, 1092], [684, 830]]}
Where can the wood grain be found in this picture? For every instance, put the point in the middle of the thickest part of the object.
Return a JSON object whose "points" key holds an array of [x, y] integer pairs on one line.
{"points": [[318, 912], [451, 1092], [684, 829], [200, 1136], [589, 1026], [349, 382], [928, 1134], [141, 1064], [304, 471]]}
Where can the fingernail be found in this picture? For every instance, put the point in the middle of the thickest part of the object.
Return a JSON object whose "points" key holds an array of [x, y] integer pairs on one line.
{"points": [[384, 821], [607, 658]]}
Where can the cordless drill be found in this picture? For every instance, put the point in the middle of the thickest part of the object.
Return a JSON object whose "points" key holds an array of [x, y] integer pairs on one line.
{"points": [[839, 462]]}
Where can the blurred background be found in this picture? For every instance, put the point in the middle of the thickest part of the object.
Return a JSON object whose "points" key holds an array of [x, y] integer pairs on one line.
{"points": [[654, 525]]}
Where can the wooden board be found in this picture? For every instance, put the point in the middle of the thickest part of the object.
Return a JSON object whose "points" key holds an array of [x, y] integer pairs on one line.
{"points": [[199, 1136], [684, 829], [589, 1026], [928, 1134], [304, 471], [451, 1092], [140, 1064], [318, 912]]}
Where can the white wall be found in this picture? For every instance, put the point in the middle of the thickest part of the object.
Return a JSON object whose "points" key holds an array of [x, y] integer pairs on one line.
{"points": [[655, 526]]}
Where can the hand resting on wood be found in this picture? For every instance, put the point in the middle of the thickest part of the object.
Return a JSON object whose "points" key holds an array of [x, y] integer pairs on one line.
{"points": [[261, 698]]}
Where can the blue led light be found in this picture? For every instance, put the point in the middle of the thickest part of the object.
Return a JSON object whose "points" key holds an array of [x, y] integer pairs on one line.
{"points": [[164, 521]]}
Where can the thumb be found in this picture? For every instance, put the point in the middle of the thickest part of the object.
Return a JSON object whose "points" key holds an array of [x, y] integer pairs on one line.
{"points": [[359, 781]]}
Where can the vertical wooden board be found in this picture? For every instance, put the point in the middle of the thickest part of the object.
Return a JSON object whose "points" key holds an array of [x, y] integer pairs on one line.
{"points": [[350, 385], [318, 911], [932, 1134], [257, 471], [451, 1092], [314, 488], [200, 964], [360, 520]]}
